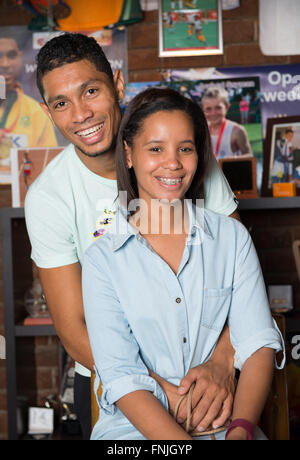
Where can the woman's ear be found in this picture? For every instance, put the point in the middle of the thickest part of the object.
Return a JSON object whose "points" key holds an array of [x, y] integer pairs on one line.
{"points": [[127, 151]]}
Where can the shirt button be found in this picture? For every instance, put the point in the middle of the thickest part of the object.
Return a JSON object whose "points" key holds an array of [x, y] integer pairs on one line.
{"points": [[178, 300], [184, 339]]}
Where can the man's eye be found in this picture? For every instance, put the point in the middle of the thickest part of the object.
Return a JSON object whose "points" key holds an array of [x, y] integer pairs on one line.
{"points": [[92, 91], [155, 149], [60, 105]]}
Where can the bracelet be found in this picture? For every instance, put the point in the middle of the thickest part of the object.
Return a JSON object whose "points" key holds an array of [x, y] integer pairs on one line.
{"points": [[243, 423]]}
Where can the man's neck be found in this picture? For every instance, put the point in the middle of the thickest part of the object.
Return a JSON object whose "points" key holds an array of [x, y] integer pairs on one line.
{"points": [[103, 165]]}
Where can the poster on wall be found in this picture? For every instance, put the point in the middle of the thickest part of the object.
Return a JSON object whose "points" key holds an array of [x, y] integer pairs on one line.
{"points": [[22, 121], [26, 165], [279, 85]]}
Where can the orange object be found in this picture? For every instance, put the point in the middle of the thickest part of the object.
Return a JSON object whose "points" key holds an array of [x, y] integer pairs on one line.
{"points": [[284, 189], [91, 15]]}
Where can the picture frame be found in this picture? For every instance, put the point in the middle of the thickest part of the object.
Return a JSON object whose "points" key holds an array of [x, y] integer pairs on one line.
{"points": [[240, 173], [281, 153], [187, 28]]}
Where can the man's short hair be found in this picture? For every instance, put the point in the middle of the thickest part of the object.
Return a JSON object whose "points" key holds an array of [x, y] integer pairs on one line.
{"points": [[216, 92], [66, 49]]}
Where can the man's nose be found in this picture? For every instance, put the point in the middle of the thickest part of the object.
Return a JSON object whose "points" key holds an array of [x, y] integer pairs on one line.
{"points": [[81, 112]]}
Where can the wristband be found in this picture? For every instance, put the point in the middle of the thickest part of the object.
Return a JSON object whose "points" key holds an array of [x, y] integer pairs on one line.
{"points": [[243, 423]]}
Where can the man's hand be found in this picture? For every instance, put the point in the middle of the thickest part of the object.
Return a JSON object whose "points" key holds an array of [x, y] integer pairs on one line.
{"points": [[212, 396]]}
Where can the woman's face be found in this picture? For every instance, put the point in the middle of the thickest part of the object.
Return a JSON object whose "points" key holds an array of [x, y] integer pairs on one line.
{"points": [[164, 156]]}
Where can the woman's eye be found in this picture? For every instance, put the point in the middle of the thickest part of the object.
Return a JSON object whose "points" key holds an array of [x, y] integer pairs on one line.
{"points": [[186, 149]]}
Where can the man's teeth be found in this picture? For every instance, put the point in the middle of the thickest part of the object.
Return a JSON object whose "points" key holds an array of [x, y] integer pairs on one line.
{"points": [[170, 181], [91, 131]]}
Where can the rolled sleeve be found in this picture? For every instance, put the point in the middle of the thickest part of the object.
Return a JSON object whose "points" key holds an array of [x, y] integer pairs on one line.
{"points": [[116, 389], [270, 338], [250, 322]]}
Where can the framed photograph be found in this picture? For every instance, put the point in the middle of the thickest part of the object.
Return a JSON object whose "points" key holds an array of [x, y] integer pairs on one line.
{"points": [[27, 164], [190, 28], [241, 175], [281, 153]]}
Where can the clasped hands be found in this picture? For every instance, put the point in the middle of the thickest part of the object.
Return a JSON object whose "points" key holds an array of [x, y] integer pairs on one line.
{"points": [[212, 397]]}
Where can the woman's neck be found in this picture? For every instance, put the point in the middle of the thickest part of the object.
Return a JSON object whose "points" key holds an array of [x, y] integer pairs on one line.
{"points": [[159, 218]]}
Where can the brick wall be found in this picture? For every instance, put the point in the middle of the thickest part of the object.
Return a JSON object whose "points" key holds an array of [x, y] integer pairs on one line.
{"points": [[272, 231]]}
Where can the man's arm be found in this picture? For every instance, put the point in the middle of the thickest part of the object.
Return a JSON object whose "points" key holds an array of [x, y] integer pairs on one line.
{"points": [[235, 215], [62, 289]]}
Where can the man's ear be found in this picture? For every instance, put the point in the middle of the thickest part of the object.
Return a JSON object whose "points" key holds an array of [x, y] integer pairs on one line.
{"points": [[119, 84], [127, 151], [45, 109]]}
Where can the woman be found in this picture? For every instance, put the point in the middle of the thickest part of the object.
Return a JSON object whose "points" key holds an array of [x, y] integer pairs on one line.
{"points": [[158, 290]]}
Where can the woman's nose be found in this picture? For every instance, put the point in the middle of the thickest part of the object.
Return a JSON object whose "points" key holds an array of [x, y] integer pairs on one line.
{"points": [[172, 160]]}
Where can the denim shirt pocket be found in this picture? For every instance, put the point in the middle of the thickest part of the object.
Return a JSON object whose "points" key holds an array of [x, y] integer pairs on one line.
{"points": [[216, 304]]}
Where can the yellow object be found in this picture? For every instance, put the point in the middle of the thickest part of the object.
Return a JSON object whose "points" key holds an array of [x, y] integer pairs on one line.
{"points": [[91, 15], [27, 117], [284, 189]]}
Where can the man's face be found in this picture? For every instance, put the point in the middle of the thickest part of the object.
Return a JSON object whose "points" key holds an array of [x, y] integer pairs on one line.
{"points": [[82, 103], [214, 110], [10, 61]]}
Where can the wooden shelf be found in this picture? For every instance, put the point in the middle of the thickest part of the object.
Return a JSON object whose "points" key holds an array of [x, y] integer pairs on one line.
{"points": [[34, 330], [262, 203], [259, 203]]}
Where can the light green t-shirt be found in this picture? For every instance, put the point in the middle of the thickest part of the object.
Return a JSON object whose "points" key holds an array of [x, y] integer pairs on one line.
{"points": [[68, 207]]}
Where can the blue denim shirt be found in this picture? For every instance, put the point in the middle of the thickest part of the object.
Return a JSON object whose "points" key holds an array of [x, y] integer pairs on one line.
{"points": [[140, 315]]}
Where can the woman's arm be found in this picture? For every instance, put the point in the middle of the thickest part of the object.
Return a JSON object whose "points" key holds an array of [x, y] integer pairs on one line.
{"points": [[252, 390], [149, 417]]}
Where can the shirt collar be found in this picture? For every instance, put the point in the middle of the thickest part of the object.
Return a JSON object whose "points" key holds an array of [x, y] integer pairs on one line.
{"points": [[124, 230]]}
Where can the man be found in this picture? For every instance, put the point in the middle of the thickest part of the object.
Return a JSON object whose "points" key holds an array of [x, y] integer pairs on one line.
{"points": [[22, 122], [228, 138], [73, 202]]}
